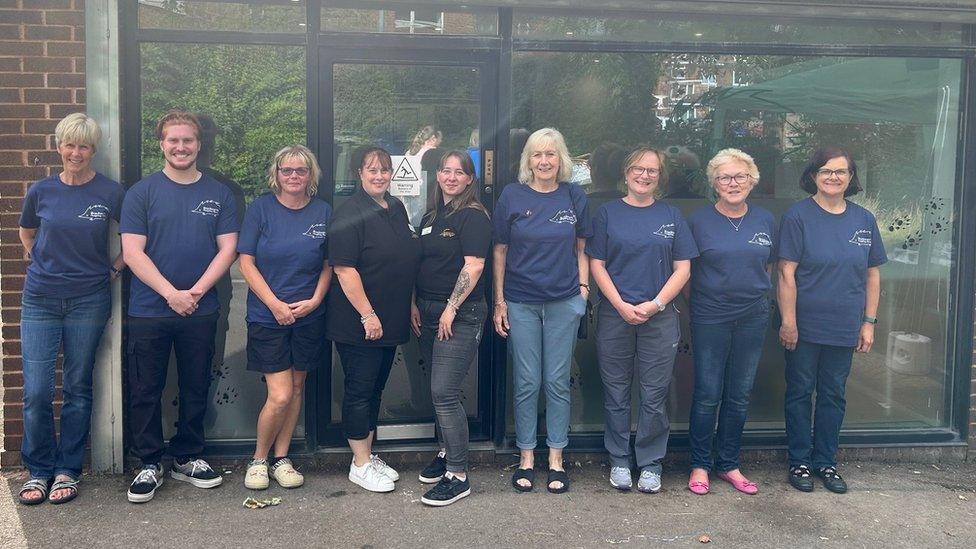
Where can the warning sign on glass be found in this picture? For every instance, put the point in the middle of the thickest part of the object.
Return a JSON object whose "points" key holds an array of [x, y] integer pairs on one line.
{"points": [[407, 176]]}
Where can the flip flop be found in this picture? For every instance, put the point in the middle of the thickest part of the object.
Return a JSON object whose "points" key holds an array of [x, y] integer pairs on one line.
{"points": [[558, 476], [39, 484], [527, 474], [70, 484]]}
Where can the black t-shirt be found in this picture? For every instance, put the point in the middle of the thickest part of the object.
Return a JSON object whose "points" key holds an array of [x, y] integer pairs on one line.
{"points": [[466, 232], [383, 248]]}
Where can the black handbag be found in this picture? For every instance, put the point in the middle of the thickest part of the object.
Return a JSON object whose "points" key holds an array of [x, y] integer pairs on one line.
{"points": [[584, 326]]}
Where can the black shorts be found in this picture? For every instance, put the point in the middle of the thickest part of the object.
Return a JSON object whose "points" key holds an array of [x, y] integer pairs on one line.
{"points": [[271, 350]]}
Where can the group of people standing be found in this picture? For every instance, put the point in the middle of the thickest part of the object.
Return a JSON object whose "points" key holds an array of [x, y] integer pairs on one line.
{"points": [[364, 278]]}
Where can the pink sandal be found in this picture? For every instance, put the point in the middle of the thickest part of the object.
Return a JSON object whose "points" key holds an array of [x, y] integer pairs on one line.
{"points": [[745, 485], [698, 487]]}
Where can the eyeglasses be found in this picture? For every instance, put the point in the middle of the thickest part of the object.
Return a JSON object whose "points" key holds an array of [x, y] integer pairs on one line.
{"points": [[374, 171], [827, 174], [448, 172], [302, 172], [739, 178], [639, 171]]}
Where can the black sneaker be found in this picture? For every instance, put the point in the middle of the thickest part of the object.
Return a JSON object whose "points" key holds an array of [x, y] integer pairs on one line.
{"points": [[197, 472], [435, 470], [448, 490], [831, 480], [801, 479], [143, 487]]}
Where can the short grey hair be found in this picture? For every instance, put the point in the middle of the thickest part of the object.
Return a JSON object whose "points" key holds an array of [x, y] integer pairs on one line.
{"points": [[725, 156], [537, 142], [78, 128]]}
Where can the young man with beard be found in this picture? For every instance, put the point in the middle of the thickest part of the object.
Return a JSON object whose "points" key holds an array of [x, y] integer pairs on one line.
{"points": [[179, 235]]}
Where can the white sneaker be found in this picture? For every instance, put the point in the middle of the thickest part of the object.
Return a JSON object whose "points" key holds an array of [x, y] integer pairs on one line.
{"points": [[383, 468], [370, 478]]}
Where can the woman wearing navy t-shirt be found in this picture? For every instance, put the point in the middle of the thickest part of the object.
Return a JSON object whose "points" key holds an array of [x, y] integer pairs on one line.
{"points": [[829, 285], [373, 251], [640, 256], [455, 238], [64, 229], [540, 282], [282, 247], [730, 286]]}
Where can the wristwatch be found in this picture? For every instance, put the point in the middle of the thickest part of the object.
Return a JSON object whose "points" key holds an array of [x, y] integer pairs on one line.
{"points": [[870, 319], [659, 303]]}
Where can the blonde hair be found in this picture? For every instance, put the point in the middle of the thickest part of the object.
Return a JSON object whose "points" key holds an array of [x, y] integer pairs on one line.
{"points": [[635, 155], [537, 142], [725, 156], [425, 133], [78, 128], [295, 151]]}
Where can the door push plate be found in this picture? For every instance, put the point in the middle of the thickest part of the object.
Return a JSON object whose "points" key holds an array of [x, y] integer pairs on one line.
{"points": [[489, 170]]}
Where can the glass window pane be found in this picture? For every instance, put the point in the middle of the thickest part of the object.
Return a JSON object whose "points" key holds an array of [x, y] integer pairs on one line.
{"points": [[254, 16], [665, 27], [408, 19], [251, 100], [897, 116]]}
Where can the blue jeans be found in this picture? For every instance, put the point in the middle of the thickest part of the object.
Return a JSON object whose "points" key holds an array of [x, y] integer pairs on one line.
{"points": [[726, 359], [541, 339], [824, 368], [46, 324]]}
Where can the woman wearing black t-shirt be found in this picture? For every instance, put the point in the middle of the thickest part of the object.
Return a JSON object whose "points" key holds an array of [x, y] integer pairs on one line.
{"points": [[373, 251], [455, 238]]}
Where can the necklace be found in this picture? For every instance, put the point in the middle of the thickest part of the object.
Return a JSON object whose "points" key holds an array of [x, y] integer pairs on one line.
{"points": [[734, 226]]}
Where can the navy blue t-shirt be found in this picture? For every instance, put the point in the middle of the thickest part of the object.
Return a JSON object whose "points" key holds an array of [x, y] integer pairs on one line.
{"points": [[181, 224], [70, 257], [289, 248], [540, 230], [729, 276], [833, 253], [638, 246]]}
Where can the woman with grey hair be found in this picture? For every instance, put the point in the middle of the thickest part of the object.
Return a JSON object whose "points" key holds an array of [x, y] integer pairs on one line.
{"points": [[730, 287], [64, 229], [540, 277], [639, 254], [283, 255]]}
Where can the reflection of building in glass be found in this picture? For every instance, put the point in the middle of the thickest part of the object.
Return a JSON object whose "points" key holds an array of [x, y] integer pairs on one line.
{"points": [[684, 79]]}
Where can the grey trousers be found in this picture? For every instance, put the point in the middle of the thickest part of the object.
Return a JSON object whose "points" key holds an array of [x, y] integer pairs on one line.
{"points": [[650, 349], [449, 363]]}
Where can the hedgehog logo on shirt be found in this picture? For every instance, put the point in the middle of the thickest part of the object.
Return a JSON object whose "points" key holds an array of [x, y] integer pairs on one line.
{"points": [[861, 238], [317, 230], [761, 239], [208, 207], [95, 212], [564, 216], [666, 231]]}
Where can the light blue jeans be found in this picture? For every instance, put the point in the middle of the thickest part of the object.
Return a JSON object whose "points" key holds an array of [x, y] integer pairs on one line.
{"points": [[541, 339]]}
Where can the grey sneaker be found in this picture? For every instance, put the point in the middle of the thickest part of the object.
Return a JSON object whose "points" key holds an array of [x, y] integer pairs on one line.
{"points": [[649, 482], [620, 478]]}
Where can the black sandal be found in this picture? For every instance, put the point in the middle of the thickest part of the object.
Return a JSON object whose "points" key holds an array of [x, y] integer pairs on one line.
{"points": [[527, 474], [39, 484], [556, 475], [69, 484]]}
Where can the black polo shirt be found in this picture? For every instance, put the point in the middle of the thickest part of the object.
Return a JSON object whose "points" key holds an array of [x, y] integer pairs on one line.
{"points": [[466, 232], [383, 248]]}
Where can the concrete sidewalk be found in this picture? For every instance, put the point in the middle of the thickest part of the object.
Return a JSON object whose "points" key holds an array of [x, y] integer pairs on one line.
{"points": [[890, 505]]}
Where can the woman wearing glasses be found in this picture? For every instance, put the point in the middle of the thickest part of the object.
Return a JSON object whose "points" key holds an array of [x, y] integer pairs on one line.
{"points": [[540, 277], [640, 256], [830, 251], [282, 249], [374, 253], [455, 239], [730, 287]]}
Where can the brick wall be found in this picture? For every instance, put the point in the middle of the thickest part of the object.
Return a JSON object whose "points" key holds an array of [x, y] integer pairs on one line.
{"points": [[42, 66]]}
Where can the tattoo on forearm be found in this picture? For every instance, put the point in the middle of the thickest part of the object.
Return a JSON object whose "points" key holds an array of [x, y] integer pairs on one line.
{"points": [[463, 281]]}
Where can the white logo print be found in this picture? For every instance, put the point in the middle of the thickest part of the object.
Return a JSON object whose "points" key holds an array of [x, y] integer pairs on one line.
{"points": [[564, 216], [315, 231], [208, 207], [95, 212], [761, 239], [666, 231], [861, 238]]}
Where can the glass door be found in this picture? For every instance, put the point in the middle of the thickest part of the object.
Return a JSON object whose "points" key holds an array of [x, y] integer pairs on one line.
{"points": [[416, 105]]}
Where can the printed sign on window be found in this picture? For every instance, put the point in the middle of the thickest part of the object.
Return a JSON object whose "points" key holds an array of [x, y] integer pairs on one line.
{"points": [[407, 176]]}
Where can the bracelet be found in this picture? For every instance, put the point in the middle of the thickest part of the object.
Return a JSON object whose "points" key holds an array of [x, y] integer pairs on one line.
{"points": [[452, 305], [582, 285], [366, 317], [659, 303], [870, 319], [502, 302]]}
